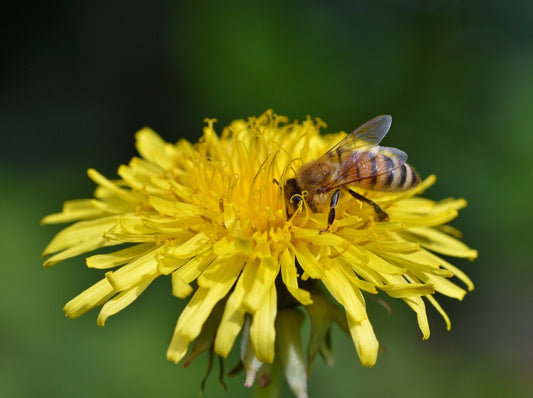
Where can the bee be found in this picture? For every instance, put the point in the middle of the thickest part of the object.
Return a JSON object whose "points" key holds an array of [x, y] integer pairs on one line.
{"points": [[356, 160]]}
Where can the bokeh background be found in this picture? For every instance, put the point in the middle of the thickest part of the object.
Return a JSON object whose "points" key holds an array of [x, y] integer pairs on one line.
{"points": [[79, 78]]}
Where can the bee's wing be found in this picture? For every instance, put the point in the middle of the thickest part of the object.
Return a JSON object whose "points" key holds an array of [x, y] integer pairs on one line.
{"points": [[351, 168], [391, 152], [367, 135]]}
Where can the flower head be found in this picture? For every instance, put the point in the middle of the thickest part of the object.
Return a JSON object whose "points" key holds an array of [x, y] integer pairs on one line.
{"points": [[213, 216]]}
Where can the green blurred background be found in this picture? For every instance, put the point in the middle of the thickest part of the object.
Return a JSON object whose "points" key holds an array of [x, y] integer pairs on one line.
{"points": [[79, 78]]}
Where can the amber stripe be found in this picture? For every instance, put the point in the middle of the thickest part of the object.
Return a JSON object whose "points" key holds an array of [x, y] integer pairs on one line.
{"points": [[409, 181], [357, 162], [390, 165], [374, 170], [403, 175], [416, 177]]}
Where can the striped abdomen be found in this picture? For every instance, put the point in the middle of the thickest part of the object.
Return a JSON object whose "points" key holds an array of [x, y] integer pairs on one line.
{"points": [[381, 172]]}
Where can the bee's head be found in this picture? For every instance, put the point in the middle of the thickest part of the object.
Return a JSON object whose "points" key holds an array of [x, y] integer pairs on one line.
{"points": [[293, 195]]}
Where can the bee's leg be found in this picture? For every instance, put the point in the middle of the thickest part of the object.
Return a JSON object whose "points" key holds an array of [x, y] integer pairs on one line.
{"points": [[332, 205], [382, 214]]}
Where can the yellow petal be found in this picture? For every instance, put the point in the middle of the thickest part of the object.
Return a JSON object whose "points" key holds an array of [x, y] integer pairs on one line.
{"points": [[153, 148], [262, 330], [73, 210], [145, 168], [328, 239], [362, 270], [399, 290], [459, 274], [225, 248], [441, 215], [121, 301], [441, 311], [167, 265], [127, 195], [397, 246], [138, 176], [412, 264], [375, 262], [77, 249], [94, 296], [263, 283], [131, 224], [205, 340], [174, 208], [307, 260], [360, 327], [81, 232], [162, 225], [290, 278], [365, 341], [189, 271], [104, 261], [178, 347], [418, 306], [199, 307], [233, 317], [144, 267], [191, 247], [345, 293], [350, 273], [440, 242], [444, 286], [180, 288]]}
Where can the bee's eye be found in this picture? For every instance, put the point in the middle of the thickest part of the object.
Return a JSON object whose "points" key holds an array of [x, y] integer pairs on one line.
{"points": [[295, 200]]}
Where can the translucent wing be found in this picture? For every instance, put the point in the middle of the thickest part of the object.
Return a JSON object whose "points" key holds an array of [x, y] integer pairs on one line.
{"points": [[364, 164], [391, 152], [365, 136], [372, 132]]}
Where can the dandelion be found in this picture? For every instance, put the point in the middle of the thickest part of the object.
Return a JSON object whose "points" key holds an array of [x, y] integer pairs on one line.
{"points": [[213, 217]]}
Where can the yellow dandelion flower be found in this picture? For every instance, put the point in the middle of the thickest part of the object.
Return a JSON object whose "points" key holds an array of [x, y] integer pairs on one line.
{"points": [[254, 255]]}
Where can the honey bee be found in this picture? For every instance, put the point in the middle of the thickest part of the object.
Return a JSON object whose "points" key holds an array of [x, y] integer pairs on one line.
{"points": [[356, 160]]}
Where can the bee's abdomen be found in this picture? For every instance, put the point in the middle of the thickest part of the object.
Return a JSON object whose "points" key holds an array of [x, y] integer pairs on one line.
{"points": [[384, 173], [403, 178]]}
